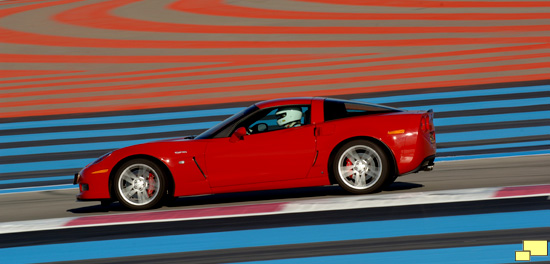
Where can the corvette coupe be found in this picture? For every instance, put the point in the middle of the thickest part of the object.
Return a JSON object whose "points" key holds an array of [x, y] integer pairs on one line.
{"points": [[275, 144]]}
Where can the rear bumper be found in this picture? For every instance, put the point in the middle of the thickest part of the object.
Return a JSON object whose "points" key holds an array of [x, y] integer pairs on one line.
{"points": [[427, 164]]}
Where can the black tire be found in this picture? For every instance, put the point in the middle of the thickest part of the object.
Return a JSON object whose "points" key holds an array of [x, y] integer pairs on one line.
{"points": [[139, 184], [361, 167]]}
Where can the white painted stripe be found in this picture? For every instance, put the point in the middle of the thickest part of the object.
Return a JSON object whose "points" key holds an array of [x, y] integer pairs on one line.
{"points": [[329, 204], [33, 225], [388, 200]]}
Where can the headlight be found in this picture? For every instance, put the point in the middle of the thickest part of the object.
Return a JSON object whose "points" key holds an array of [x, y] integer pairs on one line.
{"points": [[98, 160]]}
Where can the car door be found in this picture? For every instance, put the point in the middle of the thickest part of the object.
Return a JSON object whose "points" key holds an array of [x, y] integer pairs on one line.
{"points": [[272, 154]]}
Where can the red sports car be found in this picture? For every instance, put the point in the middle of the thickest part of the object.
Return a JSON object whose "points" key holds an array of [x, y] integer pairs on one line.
{"points": [[284, 143]]}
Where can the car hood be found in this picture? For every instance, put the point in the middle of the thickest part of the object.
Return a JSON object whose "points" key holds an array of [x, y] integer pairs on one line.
{"points": [[146, 147], [185, 138]]}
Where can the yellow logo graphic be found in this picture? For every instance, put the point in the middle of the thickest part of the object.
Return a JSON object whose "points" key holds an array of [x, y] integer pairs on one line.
{"points": [[532, 248]]}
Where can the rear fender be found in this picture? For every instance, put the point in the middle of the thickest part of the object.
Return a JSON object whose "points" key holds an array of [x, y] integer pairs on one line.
{"points": [[381, 144]]}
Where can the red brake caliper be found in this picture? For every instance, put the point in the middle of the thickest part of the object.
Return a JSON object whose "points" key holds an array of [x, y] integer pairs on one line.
{"points": [[349, 163], [151, 188]]}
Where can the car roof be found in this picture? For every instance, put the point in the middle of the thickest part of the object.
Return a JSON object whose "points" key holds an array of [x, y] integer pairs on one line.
{"points": [[287, 101]]}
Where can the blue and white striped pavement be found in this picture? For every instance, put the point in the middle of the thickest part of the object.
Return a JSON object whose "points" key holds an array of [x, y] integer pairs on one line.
{"points": [[470, 123]]}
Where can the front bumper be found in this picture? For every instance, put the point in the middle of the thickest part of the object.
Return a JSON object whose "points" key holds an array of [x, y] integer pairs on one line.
{"points": [[92, 185], [83, 187], [76, 179]]}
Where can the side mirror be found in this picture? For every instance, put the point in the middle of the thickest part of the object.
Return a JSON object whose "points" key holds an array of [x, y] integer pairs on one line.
{"points": [[258, 128], [238, 135], [262, 127]]}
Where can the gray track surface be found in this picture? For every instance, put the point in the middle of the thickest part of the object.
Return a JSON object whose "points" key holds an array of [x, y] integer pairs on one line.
{"points": [[495, 172]]}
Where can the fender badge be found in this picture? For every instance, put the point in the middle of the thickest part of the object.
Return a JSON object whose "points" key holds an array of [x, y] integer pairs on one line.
{"points": [[181, 152]]}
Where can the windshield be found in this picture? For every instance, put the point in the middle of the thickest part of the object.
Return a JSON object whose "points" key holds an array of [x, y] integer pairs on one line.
{"points": [[213, 131]]}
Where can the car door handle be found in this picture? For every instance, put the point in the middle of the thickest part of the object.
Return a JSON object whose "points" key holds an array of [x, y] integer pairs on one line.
{"points": [[325, 131]]}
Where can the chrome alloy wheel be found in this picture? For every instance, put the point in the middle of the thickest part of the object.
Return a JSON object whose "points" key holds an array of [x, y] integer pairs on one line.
{"points": [[138, 184], [360, 167]]}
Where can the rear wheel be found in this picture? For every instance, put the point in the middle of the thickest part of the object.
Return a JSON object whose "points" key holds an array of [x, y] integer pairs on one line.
{"points": [[139, 184], [361, 167]]}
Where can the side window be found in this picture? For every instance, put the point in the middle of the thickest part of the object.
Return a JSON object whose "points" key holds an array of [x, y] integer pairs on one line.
{"points": [[277, 118], [336, 109]]}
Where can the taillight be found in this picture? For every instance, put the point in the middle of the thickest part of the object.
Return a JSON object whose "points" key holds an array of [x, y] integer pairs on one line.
{"points": [[427, 125], [428, 121]]}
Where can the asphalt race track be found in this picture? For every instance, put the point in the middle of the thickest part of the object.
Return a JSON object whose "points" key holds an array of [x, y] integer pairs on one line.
{"points": [[447, 176], [389, 234], [499, 225], [79, 78]]}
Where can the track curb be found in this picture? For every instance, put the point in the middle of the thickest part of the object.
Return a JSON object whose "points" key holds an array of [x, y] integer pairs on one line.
{"points": [[329, 204]]}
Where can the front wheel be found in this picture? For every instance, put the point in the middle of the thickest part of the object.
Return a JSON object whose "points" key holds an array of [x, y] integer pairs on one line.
{"points": [[139, 184], [360, 167]]}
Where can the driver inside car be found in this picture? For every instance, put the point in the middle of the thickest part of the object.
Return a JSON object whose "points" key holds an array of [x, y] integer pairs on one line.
{"points": [[289, 117]]}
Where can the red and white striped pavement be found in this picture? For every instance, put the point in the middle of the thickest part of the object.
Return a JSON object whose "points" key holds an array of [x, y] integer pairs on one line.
{"points": [[302, 206], [85, 56]]}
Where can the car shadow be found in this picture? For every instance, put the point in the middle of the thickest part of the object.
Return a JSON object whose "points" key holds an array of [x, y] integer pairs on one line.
{"points": [[400, 186], [259, 196], [98, 208], [226, 199]]}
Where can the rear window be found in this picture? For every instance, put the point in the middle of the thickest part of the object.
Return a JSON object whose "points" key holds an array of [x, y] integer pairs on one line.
{"points": [[336, 109]]}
